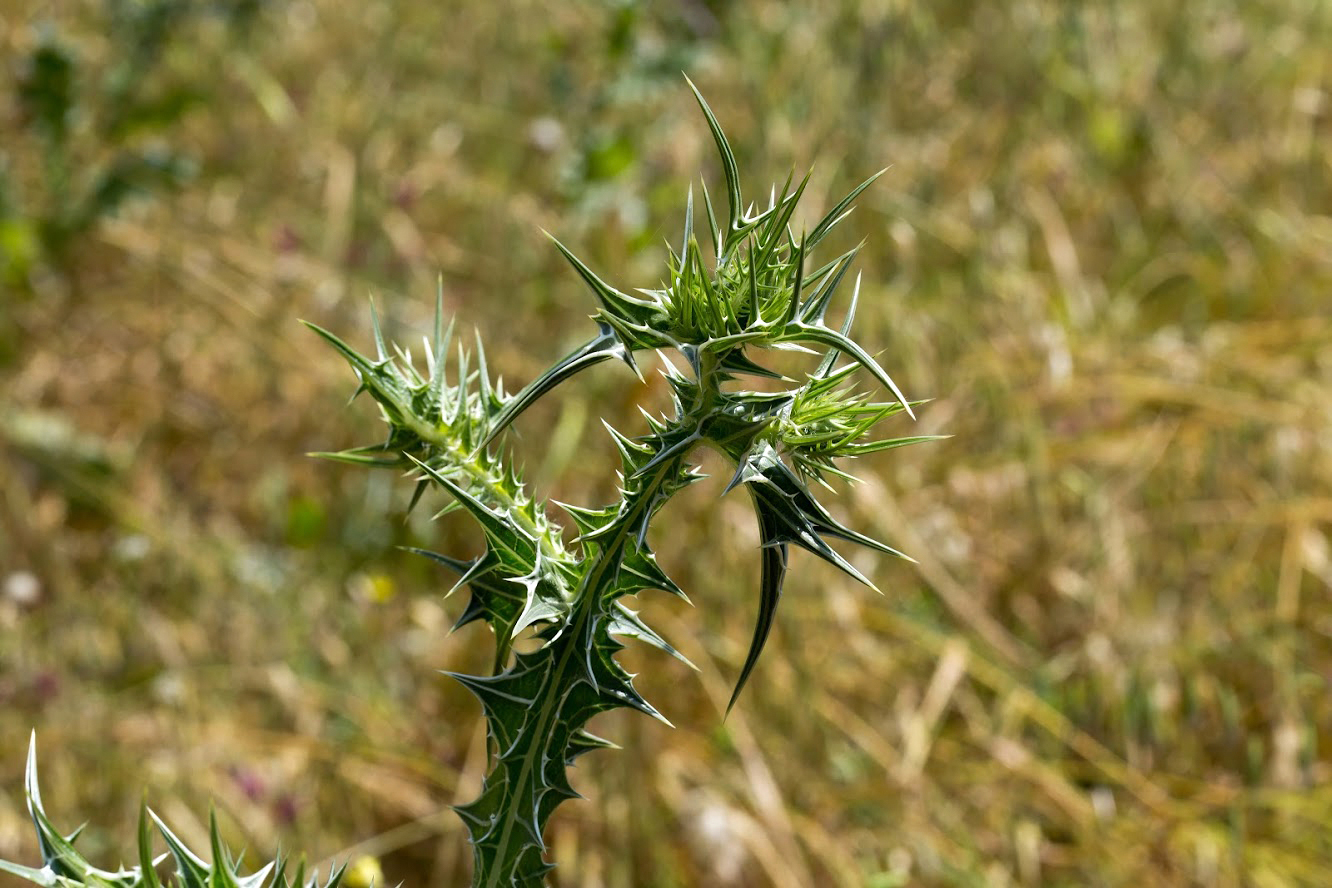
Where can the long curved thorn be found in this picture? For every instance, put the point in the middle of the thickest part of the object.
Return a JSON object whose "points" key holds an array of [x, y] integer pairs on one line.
{"points": [[770, 595], [837, 213], [606, 345], [848, 346], [729, 168], [616, 303], [826, 365], [798, 261], [816, 305]]}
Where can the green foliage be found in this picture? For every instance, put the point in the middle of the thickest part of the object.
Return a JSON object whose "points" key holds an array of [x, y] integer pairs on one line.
{"points": [[63, 866], [756, 296], [445, 420], [1104, 237], [103, 134]]}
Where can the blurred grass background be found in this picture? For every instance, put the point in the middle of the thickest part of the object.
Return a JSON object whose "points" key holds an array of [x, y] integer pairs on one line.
{"points": [[1104, 247]]}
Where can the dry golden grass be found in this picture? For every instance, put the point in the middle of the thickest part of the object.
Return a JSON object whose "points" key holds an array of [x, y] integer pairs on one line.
{"points": [[1104, 247]]}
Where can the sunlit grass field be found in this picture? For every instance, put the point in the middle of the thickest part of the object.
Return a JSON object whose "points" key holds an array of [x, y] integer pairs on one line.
{"points": [[1103, 247]]}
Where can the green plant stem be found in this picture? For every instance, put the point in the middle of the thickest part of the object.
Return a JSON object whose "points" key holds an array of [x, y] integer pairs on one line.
{"points": [[502, 861], [588, 602], [458, 461]]}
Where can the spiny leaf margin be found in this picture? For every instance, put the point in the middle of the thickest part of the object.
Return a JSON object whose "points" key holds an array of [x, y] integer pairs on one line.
{"points": [[65, 867]]}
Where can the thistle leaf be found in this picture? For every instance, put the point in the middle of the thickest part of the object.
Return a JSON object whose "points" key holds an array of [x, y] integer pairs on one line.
{"points": [[147, 865], [829, 338], [839, 212], [729, 171], [191, 870], [790, 514], [830, 357], [816, 306], [625, 622], [738, 362], [613, 302], [43, 877], [606, 345], [771, 578], [64, 867]]}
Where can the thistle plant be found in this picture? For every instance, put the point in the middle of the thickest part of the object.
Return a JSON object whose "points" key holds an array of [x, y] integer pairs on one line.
{"points": [[712, 320], [64, 867]]}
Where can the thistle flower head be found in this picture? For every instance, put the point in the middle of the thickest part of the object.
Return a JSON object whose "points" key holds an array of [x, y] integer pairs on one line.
{"points": [[756, 293]]}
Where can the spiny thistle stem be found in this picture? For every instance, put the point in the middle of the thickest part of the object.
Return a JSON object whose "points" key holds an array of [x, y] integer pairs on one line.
{"points": [[511, 844]]}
